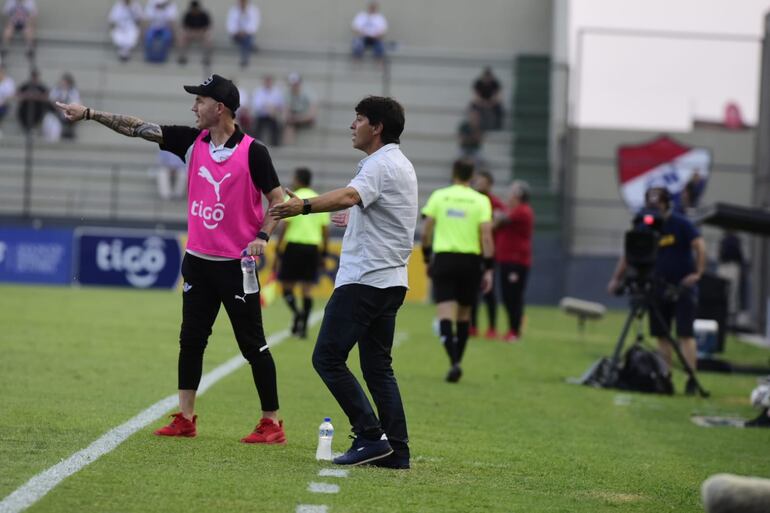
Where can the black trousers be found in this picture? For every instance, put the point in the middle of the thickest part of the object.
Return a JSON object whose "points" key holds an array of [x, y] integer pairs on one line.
{"points": [[207, 286], [513, 284], [367, 315]]}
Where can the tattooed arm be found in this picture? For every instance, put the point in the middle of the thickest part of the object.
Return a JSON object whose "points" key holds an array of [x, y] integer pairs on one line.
{"points": [[126, 125]]}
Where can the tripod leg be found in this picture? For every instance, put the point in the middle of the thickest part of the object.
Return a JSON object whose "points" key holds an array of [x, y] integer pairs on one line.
{"points": [[615, 360], [675, 345]]}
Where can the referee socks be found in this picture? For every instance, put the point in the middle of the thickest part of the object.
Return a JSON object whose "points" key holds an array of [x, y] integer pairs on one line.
{"points": [[448, 339]]}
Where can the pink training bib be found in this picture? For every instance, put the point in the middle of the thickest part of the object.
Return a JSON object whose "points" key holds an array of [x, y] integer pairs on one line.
{"points": [[224, 208]]}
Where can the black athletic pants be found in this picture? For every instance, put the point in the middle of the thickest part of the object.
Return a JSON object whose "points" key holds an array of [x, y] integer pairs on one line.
{"points": [[367, 315], [207, 285], [513, 283]]}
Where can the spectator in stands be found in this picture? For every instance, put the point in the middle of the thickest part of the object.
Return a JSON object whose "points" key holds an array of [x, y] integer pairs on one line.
{"points": [[242, 24], [369, 29], [125, 20], [301, 109], [486, 100], [268, 105], [470, 137], [65, 92], [171, 173], [7, 91], [160, 18], [693, 191], [196, 26], [482, 182], [513, 254], [20, 18], [33, 102]]}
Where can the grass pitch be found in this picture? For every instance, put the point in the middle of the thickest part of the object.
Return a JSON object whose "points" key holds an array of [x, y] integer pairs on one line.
{"points": [[510, 437]]}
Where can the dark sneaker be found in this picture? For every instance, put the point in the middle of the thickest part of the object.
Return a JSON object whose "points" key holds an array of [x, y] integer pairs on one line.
{"points": [[302, 331], [763, 421], [454, 374], [180, 426], [364, 451], [393, 461], [691, 388], [266, 432]]}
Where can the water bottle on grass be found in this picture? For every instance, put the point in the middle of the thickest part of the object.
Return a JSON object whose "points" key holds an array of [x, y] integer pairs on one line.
{"points": [[325, 435]]}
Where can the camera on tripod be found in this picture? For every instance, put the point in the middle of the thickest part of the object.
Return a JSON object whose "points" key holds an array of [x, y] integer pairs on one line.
{"points": [[641, 249]]}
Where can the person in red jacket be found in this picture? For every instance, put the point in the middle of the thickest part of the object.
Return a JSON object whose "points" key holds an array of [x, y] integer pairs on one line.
{"points": [[513, 254]]}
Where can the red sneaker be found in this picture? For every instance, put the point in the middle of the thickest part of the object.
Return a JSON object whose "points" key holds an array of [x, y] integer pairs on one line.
{"points": [[266, 432], [511, 337], [473, 331], [180, 426], [491, 334]]}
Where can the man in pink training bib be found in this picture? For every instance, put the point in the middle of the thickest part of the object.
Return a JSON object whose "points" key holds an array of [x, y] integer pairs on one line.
{"points": [[228, 172]]}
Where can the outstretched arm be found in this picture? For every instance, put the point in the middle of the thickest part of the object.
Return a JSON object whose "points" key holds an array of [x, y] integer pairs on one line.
{"points": [[125, 125], [331, 201]]}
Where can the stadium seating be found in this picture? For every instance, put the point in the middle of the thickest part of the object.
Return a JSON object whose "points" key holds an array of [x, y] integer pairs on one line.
{"points": [[104, 176]]}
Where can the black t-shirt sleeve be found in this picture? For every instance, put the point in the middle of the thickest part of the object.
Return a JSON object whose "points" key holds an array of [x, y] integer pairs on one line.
{"points": [[261, 167], [178, 139]]}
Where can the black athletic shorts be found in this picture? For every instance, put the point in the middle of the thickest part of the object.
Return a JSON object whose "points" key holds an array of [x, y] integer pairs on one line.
{"points": [[681, 311], [299, 262], [456, 277]]}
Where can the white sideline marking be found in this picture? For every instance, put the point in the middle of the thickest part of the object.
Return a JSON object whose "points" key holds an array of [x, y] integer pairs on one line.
{"points": [[333, 472], [323, 487], [38, 486], [308, 508], [622, 400]]}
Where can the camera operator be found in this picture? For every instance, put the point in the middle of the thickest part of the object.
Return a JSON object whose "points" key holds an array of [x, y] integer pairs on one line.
{"points": [[679, 264]]}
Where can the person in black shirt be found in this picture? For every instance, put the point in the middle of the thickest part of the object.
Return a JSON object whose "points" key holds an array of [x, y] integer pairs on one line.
{"points": [[217, 232], [196, 26], [487, 100], [679, 265], [33, 102]]}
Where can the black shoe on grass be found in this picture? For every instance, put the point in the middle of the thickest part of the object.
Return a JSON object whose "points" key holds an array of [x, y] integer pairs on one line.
{"points": [[454, 374], [364, 451]]}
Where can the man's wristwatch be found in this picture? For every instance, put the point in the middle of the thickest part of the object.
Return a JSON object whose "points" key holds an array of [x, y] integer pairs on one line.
{"points": [[305, 207]]}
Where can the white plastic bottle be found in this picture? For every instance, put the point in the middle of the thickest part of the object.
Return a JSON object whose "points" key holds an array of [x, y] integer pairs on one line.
{"points": [[325, 435], [249, 268]]}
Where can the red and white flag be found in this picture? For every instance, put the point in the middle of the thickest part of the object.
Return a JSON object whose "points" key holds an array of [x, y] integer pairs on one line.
{"points": [[662, 162]]}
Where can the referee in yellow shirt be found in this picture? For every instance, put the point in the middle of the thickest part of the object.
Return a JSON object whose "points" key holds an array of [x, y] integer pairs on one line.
{"points": [[306, 239], [458, 248]]}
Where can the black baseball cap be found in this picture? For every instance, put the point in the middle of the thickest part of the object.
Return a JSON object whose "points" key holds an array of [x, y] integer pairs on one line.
{"points": [[220, 89]]}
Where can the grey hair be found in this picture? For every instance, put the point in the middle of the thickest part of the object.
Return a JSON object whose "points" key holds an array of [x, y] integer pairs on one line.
{"points": [[521, 189]]}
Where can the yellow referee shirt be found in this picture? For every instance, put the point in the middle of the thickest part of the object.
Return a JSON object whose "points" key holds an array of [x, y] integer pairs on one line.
{"points": [[458, 212], [306, 229]]}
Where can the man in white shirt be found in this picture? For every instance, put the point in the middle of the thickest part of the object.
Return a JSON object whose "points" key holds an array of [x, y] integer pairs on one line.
{"points": [[7, 91], [20, 17], [125, 17], [371, 283], [268, 105], [369, 27], [242, 25]]}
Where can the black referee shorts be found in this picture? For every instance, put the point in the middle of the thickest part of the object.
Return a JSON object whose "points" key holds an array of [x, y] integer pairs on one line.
{"points": [[456, 277], [299, 262]]}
